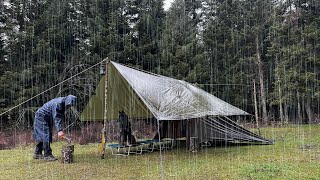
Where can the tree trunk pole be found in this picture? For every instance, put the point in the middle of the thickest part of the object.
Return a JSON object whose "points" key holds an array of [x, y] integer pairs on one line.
{"points": [[255, 105], [262, 90]]}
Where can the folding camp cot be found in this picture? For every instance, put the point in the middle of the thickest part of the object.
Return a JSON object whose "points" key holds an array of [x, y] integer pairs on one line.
{"points": [[141, 146], [121, 150], [156, 144]]}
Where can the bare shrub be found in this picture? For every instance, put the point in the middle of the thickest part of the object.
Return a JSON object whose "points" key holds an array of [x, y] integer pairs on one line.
{"points": [[13, 139]]}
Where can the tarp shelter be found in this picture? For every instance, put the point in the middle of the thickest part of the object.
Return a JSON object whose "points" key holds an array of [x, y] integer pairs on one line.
{"points": [[144, 95]]}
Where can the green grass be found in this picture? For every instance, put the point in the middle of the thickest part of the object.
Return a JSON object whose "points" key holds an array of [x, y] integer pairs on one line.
{"points": [[295, 155]]}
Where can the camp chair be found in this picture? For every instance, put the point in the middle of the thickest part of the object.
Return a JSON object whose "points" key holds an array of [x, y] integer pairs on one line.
{"points": [[121, 150]]}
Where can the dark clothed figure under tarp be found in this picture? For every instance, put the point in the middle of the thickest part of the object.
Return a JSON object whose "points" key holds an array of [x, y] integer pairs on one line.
{"points": [[50, 113], [125, 130]]}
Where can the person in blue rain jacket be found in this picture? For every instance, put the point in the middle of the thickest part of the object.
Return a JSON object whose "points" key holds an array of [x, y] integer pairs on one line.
{"points": [[51, 112]]}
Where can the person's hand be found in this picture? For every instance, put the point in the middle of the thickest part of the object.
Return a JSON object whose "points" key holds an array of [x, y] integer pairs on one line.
{"points": [[60, 134]]}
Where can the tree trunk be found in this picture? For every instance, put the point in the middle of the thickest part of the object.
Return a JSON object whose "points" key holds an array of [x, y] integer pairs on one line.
{"points": [[309, 110], [281, 113], [255, 104], [262, 90], [299, 109], [299, 113], [280, 104], [286, 114]]}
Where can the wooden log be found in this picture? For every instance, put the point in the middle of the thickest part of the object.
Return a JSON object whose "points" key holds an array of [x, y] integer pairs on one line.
{"points": [[194, 144], [67, 153]]}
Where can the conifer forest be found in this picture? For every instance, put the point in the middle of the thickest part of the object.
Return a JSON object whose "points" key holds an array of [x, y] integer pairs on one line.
{"points": [[233, 49]]}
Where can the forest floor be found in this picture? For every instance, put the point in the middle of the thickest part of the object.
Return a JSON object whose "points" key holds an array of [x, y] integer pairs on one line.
{"points": [[295, 155]]}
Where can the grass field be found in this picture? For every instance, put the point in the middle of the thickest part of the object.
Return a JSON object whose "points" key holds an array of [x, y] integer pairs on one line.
{"points": [[295, 155]]}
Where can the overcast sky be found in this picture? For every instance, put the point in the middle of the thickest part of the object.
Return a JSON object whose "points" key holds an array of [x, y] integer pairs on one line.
{"points": [[167, 4]]}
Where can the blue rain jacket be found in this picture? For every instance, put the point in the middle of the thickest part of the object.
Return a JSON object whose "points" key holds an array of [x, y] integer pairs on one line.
{"points": [[51, 112]]}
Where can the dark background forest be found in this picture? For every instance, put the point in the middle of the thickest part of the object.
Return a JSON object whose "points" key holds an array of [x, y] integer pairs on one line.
{"points": [[222, 46]]}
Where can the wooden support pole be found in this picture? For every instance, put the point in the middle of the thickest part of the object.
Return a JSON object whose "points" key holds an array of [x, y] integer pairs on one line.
{"points": [[104, 130]]}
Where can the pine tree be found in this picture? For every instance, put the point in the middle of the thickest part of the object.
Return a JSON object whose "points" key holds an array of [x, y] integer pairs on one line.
{"points": [[226, 47], [296, 49], [146, 23], [259, 23], [181, 42]]}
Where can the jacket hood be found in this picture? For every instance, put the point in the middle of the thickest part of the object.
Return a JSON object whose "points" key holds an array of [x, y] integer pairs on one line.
{"points": [[70, 100]]}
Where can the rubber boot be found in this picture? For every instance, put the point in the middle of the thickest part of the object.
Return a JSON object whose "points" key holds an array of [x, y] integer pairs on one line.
{"points": [[48, 152], [38, 151]]}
